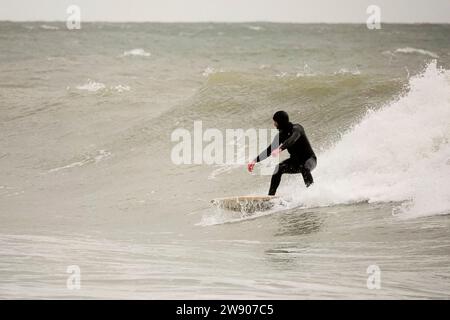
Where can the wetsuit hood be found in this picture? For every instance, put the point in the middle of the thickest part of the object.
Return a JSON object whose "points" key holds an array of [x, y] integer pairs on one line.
{"points": [[282, 119]]}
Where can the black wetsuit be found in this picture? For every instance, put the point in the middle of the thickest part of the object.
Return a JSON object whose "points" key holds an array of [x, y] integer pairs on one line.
{"points": [[303, 159]]}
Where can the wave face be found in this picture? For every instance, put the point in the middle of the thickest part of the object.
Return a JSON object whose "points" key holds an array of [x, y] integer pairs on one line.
{"points": [[398, 153]]}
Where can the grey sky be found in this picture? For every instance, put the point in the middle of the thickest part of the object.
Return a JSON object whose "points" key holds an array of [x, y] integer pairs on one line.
{"points": [[399, 11]]}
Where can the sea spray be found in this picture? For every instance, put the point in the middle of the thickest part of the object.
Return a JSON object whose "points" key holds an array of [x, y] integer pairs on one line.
{"points": [[399, 153]]}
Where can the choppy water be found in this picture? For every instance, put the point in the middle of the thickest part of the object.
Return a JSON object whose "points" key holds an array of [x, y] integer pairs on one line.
{"points": [[87, 178]]}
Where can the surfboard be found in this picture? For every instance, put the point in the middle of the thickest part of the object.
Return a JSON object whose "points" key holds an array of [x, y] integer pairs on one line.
{"points": [[246, 204]]}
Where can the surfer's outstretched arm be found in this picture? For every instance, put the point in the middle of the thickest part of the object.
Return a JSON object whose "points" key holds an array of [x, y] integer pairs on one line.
{"points": [[266, 153]]}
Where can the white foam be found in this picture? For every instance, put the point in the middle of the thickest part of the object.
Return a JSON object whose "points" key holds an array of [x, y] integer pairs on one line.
{"points": [[281, 74], [92, 86], [47, 27], [420, 51], [209, 71], [121, 88], [344, 71], [137, 53], [255, 28], [221, 216], [306, 72], [101, 155], [398, 153]]}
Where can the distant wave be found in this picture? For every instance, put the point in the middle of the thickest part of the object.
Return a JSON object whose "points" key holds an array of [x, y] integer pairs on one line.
{"points": [[137, 53], [255, 28], [307, 72], [93, 86], [343, 71], [420, 51], [47, 27]]}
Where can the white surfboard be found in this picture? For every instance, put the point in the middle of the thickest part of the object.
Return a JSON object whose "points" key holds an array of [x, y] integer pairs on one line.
{"points": [[246, 204]]}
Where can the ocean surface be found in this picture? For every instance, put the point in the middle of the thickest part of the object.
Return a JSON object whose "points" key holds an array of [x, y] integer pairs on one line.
{"points": [[87, 179]]}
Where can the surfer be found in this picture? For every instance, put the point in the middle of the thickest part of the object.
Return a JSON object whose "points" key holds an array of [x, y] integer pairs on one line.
{"points": [[293, 138]]}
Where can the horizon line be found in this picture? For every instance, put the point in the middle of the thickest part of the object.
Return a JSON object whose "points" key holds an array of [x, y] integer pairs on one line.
{"points": [[218, 22]]}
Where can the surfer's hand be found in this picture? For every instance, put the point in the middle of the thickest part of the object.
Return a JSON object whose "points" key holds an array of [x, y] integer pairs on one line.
{"points": [[276, 152], [251, 165]]}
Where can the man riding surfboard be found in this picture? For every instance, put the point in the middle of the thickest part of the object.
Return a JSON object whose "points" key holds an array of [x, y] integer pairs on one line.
{"points": [[293, 138]]}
